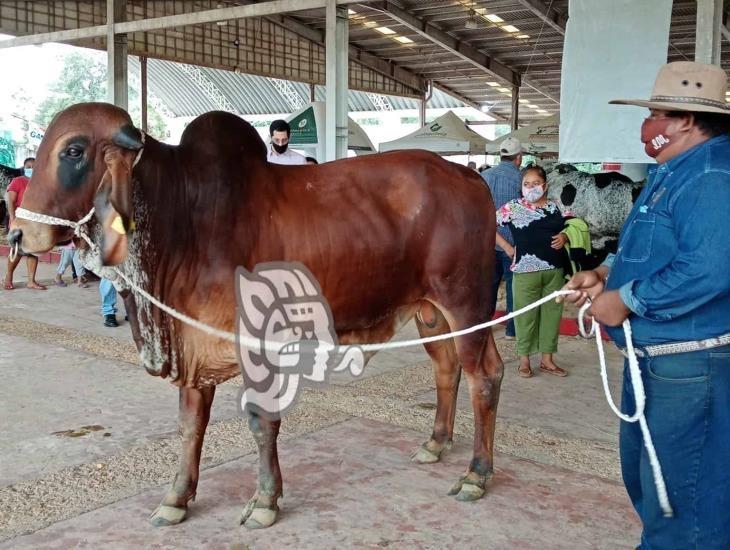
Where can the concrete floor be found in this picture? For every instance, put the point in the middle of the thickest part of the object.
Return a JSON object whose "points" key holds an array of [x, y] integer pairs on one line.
{"points": [[88, 443]]}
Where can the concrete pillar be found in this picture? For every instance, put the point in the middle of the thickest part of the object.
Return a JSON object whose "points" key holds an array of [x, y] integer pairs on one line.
{"points": [[143, 91], [515, 119], [337, 81], [708, 37], [116, 46], [422, 110]]}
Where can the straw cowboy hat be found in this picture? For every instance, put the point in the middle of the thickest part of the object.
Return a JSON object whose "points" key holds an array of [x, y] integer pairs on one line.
{"points": [[686, 86]]}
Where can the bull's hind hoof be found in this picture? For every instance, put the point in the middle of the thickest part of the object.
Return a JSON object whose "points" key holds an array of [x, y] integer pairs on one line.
{"points": [[257, 515], [429, 452], [165, 515], [470, 487]]}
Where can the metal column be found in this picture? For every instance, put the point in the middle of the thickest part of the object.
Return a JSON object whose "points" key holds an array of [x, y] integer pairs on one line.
{"points": [[515, 119], [427, 95], [336, 130], [143, 92], [116, 47], [708, 37]]}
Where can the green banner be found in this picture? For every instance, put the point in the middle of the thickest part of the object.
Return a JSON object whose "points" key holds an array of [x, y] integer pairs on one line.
{"points": [[303, 128]]}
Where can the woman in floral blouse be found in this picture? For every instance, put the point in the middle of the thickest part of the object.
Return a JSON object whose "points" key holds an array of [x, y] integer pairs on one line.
{"points": [[538, 257]]}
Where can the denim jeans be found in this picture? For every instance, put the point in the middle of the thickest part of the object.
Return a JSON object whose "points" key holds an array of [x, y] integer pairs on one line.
{"points": [[502, 271], [108, 297], [70, 256], [688, 414]]}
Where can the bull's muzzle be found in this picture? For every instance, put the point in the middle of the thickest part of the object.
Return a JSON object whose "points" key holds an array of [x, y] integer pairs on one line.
{"points": [[14, 237]]}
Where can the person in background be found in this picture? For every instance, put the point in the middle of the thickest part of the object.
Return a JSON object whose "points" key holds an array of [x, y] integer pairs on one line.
{"points": [[69, 256], [472, 165], [108, 303], [13, 200], [669, 277], [279, 152], [504, 182], [311, 160], [538, 254]]}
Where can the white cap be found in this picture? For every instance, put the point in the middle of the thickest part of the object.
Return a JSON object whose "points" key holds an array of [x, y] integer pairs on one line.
{"points": [[510, 146]]}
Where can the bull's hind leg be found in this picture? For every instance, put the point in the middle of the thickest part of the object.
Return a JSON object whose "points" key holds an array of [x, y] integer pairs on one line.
{"points": [[483, 368], [262, 509], [194, 415], [447, 372]]}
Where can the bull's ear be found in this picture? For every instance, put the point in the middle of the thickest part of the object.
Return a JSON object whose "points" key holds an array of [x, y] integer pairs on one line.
{"points": [[119, 182], [114, 242]]}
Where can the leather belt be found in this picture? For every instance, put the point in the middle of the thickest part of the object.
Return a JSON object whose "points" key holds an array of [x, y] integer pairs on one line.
{"points": [[680, 347]]}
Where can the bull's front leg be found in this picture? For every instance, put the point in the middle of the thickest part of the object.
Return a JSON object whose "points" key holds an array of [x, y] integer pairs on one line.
{"points": [[194, 415], [262, 509]]}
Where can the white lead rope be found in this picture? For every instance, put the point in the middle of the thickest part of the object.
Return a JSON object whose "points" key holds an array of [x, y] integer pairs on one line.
{"points": [[255, 343], [637, 385]]}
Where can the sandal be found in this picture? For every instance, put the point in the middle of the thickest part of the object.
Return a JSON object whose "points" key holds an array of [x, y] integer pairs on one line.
{"points": [[60, 282], [524, 373], [557, 371]]}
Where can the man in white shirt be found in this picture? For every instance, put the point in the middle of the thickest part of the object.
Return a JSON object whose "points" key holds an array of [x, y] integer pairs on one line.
{"points": [[279, 152]]}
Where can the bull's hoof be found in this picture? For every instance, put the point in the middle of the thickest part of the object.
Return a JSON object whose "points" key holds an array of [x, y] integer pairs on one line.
{"points": [[430, 452], [165, 515], [469, 487], [258, 515]]}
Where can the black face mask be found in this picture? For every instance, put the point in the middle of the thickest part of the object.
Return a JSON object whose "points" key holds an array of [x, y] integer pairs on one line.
{"points": [[280, 148]]}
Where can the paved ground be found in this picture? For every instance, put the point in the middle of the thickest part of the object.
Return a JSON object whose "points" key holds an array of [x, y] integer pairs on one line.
{"points": [[88, 442]]}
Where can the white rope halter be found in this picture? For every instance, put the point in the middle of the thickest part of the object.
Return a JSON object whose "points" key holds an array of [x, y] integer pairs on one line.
{"points": [[78, 227]]}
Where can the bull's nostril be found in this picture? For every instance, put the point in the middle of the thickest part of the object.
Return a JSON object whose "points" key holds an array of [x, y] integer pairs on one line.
{"points": [[14, 237]]}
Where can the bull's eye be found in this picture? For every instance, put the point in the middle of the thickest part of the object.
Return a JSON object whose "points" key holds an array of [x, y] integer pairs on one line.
{"points": [[74, 152]]}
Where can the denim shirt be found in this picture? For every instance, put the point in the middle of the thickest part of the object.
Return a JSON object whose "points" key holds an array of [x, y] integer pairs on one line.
{"points": [[505, 184], [672, 265]]}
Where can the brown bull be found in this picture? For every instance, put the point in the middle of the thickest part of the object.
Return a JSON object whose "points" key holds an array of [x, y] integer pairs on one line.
{"points": [[386, 236]]}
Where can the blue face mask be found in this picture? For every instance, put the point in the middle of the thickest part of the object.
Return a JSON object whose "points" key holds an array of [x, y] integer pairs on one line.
{"points": [[28, 172]]}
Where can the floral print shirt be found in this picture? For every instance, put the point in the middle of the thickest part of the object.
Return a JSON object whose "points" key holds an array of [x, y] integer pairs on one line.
{"points": [[533, 229]]}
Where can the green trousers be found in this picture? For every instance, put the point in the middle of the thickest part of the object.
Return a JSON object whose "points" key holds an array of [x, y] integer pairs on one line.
{"points": [[538, 329]]}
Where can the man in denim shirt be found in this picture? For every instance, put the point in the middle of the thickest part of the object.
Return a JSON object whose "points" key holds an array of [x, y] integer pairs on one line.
{"points": [[505, 183], [671, 278]]}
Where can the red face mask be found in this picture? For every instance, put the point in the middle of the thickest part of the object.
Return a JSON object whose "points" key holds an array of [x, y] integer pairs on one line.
{"points": [[653, 135]]}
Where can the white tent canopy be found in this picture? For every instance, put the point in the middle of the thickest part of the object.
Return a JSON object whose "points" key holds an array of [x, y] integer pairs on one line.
{"points": [[446, 135], [539, 138], [308, 127]]}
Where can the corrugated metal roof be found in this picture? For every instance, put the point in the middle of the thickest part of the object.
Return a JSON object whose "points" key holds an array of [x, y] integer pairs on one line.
{"points": [[251, 94]]}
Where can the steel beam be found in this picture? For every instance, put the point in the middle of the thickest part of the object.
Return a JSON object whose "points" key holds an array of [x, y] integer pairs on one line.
{"points": [[467, 101], [480, 60], [364, 58], [438, 36], [547, 14], [263, 9]]}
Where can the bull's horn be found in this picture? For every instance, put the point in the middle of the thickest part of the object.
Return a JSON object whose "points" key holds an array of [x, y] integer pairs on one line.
{"points": [[128, 137]]}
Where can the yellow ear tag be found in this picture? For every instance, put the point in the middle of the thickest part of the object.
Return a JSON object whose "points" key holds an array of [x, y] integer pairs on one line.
{"points": [[118, 226]]}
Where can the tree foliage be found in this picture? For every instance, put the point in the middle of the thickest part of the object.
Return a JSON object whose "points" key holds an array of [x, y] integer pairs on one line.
{"points": [[82, 79]]}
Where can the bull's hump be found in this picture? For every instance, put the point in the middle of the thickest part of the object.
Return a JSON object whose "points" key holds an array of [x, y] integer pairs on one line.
{"points": [[223, 133]]}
